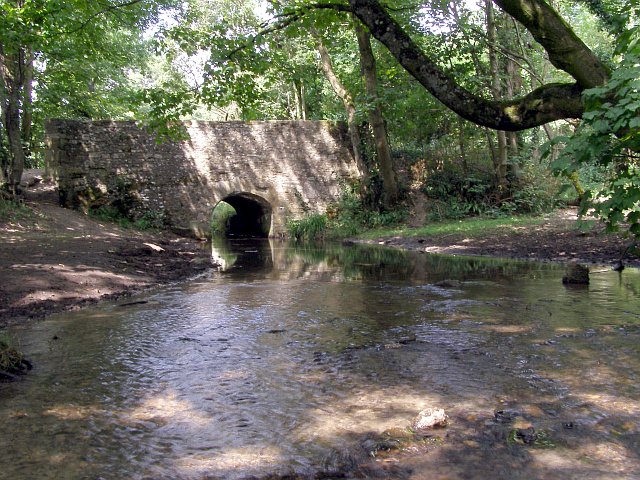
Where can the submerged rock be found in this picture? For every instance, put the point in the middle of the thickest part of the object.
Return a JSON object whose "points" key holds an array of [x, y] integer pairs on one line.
{"points": [[576, 274], [506, 416], [449, 284]]}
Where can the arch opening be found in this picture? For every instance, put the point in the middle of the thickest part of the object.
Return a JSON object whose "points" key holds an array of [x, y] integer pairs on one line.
{"points": [[242, 215]]}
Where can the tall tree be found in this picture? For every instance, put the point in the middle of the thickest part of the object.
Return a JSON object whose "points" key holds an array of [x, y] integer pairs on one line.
{"points": [[348, 102], [499, 157], [376, 118]]}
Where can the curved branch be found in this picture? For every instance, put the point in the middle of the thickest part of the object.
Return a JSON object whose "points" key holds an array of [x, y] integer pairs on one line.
{"points": [[545, 104]]}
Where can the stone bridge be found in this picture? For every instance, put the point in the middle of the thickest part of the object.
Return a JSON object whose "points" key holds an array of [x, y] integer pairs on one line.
{"points": [[270, 172]]}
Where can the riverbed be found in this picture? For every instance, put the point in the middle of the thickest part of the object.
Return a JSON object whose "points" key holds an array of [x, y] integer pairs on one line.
{"points": [[312, 362]]}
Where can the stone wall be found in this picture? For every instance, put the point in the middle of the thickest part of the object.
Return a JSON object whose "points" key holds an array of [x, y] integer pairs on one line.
{"points": [[296, 167]]}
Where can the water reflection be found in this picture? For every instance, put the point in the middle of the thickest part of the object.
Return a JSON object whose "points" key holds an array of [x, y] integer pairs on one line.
{"points": [[297, 360]]}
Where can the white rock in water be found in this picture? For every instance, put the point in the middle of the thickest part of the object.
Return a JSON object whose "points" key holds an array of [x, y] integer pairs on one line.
{"points": [[429, 418]]}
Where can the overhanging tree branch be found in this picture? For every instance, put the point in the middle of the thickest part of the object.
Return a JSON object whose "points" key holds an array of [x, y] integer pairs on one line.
{"points": [[545, 104]]}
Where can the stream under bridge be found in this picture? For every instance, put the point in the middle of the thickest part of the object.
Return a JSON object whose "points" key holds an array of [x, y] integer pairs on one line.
{"points": [[270, 172]]}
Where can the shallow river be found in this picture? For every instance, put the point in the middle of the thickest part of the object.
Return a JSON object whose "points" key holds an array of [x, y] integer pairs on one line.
{"points": [[311, 363]]}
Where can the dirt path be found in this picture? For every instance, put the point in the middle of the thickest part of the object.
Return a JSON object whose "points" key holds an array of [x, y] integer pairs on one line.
{"points": [[60, 259]]}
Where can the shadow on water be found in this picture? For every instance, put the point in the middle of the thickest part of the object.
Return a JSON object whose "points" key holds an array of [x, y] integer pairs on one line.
{"points": [[310, 362]]}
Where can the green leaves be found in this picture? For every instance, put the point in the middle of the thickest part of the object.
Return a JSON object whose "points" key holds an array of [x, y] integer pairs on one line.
{"points": [[610, 137]]}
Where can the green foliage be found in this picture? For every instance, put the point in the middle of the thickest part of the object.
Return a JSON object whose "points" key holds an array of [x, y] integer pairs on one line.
{"points": [[456, 195], [608, 140], [124, 206], [85, 57], [470, 227], [108, 213], [12, 211], [349, 216], [11, 360], [220, 219], [310, 228], [352, 214], [150, 220]]}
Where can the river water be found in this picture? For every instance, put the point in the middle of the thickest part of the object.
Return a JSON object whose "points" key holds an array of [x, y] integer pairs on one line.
{"points": [[312, 363]]}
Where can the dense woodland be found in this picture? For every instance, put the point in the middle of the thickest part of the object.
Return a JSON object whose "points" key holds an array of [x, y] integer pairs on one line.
{"points": [[484, 107]]}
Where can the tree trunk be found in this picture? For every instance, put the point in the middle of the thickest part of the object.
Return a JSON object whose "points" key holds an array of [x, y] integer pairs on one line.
{"points": [[500, 160], [566, 51], [349, 106], [11, 74], [27, 102], [513, 84], [4, 154], [383, 150], [462, 145], [300, 106]]}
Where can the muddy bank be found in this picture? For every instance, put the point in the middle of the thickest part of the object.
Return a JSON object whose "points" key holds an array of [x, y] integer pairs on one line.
{"points": [[557, 239], [57, 259]]}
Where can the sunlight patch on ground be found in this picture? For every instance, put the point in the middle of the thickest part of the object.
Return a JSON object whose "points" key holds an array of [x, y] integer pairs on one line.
{"points": [[366, 411], [169, 408], [242, 460], [511, 329], [74, 412]]}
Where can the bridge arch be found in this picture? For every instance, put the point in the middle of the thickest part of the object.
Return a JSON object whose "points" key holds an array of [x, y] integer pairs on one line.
{"points": [[252, 218]]}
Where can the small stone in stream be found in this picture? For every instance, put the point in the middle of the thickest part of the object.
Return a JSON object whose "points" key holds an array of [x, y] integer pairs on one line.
{"points": [[137, 302], [526, 435], [576, 274], [449, 284], [429, 419], [505, 416], [407, 339]]}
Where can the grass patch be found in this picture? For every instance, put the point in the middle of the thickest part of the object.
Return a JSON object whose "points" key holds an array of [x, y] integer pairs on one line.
{"points": [[11, 211], [469, 227], [151, 220], [12, 360], [311, 228]]}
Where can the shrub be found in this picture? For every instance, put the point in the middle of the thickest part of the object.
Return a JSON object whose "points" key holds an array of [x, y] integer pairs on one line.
{"points": [[455, 195], [310, 228], [151, 220], [12, 361], [11, 211], [608, 140]]}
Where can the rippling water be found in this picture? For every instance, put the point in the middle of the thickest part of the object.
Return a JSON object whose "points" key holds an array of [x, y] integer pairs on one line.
{"points": [[304, 362]]}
